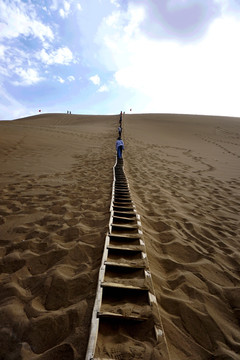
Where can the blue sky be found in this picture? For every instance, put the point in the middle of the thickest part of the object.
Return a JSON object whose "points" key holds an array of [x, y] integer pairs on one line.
{"points": [[104, 56]]}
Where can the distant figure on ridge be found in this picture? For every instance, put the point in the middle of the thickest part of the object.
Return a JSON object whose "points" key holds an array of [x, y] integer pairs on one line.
{"points": [[119, 147], [120, 121]]}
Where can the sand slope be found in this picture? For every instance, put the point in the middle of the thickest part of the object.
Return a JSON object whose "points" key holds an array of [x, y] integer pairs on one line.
{"points": [[184, 175], [55, 190], [55, 185]]}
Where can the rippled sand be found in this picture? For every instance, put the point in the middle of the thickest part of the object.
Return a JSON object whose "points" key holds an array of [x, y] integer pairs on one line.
{"points": [[55, 190], [56, 179], [184, 174]]}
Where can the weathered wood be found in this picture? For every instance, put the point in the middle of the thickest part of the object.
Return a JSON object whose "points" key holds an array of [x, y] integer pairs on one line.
{"points": [[127, 248], [124, 279], [133, 266], [122, 316], [123, 286]]}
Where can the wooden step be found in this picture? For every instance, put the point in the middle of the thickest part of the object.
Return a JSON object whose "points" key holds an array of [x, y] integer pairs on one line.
{"points": [[139, 248], [122, 196], [117, 238], [121, 207], [123, 264], [107, 314], [125, 228], [123, 286], [118, 199], [124, 220], [125, 214], [121, 191]]}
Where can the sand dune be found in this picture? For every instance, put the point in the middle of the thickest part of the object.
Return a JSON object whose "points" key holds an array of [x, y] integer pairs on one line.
{"points": [[55, 188], [184, 174], [56, 178]]}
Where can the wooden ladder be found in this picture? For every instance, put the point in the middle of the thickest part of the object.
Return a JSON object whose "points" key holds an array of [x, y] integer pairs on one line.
{"points": [[125, 322]]}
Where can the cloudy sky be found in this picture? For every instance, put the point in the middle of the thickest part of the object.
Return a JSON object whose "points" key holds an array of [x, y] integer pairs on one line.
{"points": [[104, 56]]}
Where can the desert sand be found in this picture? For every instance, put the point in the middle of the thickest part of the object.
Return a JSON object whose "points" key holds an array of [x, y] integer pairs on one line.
{"points": [[184, 174], [55, 184]]}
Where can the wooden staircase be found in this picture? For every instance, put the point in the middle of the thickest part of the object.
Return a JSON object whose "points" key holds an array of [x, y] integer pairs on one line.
{"points": [[125, 320]]}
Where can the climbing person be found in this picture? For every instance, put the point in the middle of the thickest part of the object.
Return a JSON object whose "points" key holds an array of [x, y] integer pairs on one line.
{"points": [[119, 147], [120, 120], [119, 131]]}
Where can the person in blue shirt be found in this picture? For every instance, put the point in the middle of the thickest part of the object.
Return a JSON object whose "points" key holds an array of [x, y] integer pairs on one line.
{"points": [[119, 147]]}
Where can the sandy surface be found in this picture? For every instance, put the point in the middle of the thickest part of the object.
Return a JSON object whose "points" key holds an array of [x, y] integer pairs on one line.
{"points": [[55, 185], [55, 190], [184, 175]]}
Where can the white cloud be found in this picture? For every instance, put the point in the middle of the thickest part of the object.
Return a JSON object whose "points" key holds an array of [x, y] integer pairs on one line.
{"points": [[136, 17], [62, 56], [126, 22], [28, 77], [46, 45], [95, 79], [116, 35], [224, 4], [66, 5], [54, 5], [79, 7], [115, 2], [60, 79], [103, 88], [114, 19], [64, 12], [3, 71], [2, 50], [71, 78], [201, 77], [18, 18], [14, 58]]}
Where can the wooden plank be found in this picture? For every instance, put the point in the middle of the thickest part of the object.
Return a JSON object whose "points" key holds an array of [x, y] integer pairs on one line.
{"points": [[121, 316], [125, 238], [139, 248], [123, 218], [123, 286], [133, 266], [126, 227]]}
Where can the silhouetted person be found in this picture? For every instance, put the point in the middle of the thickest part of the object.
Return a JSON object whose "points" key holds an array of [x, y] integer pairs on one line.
{"points": [[119, 147], [119, 131]]}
